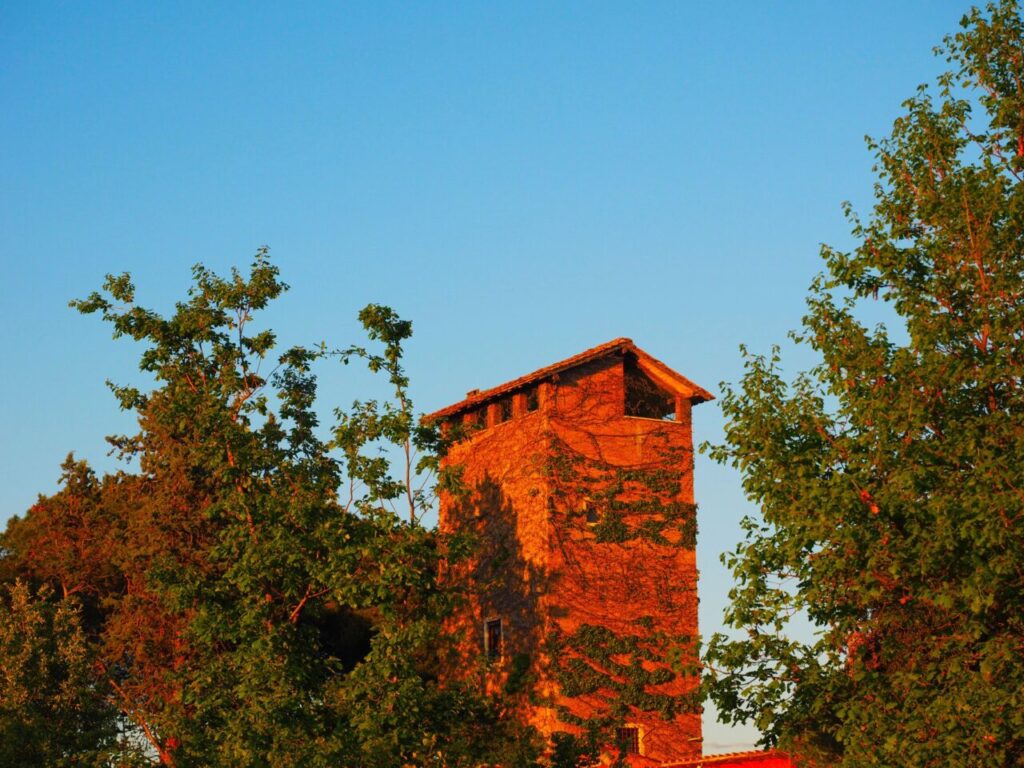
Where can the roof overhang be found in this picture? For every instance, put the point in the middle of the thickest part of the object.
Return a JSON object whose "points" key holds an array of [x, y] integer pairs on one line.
{"points": [[672, 381]]}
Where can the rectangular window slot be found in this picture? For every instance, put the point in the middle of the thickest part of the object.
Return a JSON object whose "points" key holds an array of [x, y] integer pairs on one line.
{"points": [[504, 410], [480, 417], [492, 638], [532, 399]]}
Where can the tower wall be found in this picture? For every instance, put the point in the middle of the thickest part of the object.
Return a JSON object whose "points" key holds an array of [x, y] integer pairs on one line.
{"points": [[585, 523]]}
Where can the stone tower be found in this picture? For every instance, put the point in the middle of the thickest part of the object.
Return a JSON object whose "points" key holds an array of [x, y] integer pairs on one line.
{"points": [[583, 588]]}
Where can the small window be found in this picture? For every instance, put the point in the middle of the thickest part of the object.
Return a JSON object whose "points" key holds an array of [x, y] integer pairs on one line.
{"points": [[479, 418], [532, 399], [504, 410], [588, 512], [628, 740], [492, 638], [644, 398], [453, 429]]}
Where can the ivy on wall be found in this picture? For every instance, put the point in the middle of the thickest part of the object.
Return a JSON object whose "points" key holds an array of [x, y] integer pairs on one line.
{"points": [[617, 672]]}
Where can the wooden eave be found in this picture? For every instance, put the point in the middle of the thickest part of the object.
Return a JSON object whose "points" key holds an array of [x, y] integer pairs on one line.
{"points": [[657, 370]]}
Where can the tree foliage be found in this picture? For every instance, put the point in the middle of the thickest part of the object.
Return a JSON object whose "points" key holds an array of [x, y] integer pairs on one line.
{"points": [[51, 711], [260, 591], [890, 477]]}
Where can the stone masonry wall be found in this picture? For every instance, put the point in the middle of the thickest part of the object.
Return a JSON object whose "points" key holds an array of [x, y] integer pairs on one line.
{"points": [[586, 526]]}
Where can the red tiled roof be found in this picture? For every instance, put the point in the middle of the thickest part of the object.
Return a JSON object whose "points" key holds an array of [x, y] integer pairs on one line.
{"points": [[621, 345]]}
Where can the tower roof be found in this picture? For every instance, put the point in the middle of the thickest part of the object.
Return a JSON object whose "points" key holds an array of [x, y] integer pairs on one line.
{"points": [[668, 378]]}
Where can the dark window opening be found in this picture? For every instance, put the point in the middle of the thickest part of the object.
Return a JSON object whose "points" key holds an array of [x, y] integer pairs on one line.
{"points": [[532, 399], [503, 411], [478, 418], [644, 398], [492, 638], [628, 740], [591, 514], [453, 429]]}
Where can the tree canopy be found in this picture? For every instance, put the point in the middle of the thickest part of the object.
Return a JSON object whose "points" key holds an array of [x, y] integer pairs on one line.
{"points": [[890, 477], [259, 591]]}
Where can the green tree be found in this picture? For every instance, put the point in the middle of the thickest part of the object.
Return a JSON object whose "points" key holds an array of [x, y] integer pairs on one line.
{"points": [[258, 594], [51, 711], [890, 477]]}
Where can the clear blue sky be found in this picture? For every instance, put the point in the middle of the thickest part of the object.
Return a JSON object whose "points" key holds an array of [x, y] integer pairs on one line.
{"points": [[521, 180]]}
